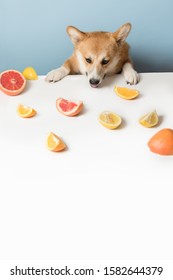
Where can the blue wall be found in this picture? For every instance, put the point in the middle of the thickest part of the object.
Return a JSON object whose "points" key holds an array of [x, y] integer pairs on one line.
{"points": [[33, 32]]}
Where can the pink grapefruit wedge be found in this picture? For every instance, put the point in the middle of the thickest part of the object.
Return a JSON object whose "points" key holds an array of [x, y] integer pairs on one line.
{"points": [[68, 107], [12, 82]]}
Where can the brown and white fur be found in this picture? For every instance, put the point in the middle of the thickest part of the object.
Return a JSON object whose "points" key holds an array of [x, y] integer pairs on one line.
{"points": [[97, 55]]}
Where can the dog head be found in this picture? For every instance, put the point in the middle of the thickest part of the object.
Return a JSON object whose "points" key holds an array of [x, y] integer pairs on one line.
{"points": [[98, 53]]}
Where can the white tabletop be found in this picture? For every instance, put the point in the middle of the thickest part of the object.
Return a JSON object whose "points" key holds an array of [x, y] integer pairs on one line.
{"points": [[106, 190]]}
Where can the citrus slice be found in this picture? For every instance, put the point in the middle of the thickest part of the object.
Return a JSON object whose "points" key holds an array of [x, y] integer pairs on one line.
{"points": [[68, 107], [29, 73], [12, 82], [162, 142], [110, 120], [126, 93], [150, 119], [54, 143], [25, 111]]}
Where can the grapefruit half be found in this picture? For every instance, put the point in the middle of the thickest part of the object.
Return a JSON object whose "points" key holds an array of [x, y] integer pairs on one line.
{"points": [[68, 107], [12, 82]]}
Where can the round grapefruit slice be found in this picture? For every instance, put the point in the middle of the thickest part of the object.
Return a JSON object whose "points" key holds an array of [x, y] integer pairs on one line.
{"points": [[68, 107], [12, 82]]}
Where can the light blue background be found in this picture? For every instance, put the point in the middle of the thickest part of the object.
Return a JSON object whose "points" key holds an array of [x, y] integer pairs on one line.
{"points": [[33, 32]]}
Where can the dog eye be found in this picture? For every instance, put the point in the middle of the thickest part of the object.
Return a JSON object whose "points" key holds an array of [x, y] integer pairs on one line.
{"points": [[105, 61], [88, 60]]}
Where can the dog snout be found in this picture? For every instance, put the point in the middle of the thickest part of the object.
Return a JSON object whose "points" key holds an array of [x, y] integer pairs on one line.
{"points": [[94, 82]]}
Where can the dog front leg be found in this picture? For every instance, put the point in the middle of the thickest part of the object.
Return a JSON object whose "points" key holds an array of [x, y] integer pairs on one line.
{"points": [[130, 75], [61, 72], [57, 74]]}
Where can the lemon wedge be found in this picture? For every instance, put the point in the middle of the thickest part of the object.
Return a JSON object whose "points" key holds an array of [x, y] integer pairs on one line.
{"points": [[150, 119], [110, 120], [29, 73]]}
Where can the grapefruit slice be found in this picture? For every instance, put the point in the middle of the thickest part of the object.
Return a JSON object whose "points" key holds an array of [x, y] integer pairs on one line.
{"points": [[126, 93], [110, 120], [12, 82], [54, 143], [25, 111], [68, 107]]}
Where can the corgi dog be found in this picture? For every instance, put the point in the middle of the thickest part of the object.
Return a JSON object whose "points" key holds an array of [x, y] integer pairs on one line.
{"points": [[97, 55]]}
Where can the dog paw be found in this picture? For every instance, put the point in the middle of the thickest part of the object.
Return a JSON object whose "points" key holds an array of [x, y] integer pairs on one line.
{"points": [[56, 74], [130, 75]]}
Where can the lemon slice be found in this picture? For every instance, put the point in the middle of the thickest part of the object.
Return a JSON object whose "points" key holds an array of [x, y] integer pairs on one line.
{"points": [[126, 93], [29, 73], [25, 111], [150, 119], [110, 120], [54, 143]]}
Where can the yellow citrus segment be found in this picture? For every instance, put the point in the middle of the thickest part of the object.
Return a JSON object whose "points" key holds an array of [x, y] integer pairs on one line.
{"points": [[25, 111], [54, 143], [126, 93], [150, 119], [29, 73], [109, 119]]}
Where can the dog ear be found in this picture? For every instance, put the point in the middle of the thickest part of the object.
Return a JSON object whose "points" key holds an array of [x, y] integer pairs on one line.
{"points": [[121, 34], [75, 34]]}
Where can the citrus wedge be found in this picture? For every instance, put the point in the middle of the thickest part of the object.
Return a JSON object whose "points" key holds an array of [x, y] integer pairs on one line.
{"points": [[54, 143], [29, 73], [25, 111], [12, 82], [68, 107], [150, 119], [110, 120], [126, 93]]}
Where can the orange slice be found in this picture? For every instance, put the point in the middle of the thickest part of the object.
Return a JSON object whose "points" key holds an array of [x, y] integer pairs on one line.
{"points": [[126, 93], [25, 111], [55, 143], [109, 119]]}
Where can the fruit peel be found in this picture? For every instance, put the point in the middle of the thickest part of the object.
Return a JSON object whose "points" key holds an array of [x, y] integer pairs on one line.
{"points": [[162, 142]]}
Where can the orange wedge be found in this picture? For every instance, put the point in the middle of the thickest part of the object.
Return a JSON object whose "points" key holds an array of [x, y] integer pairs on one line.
{"points": [[25, 111], [54, 143], [126, 93], [109, 119]]}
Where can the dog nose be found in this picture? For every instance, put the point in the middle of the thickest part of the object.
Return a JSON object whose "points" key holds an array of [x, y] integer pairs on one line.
{"points": [[94, 82]]}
